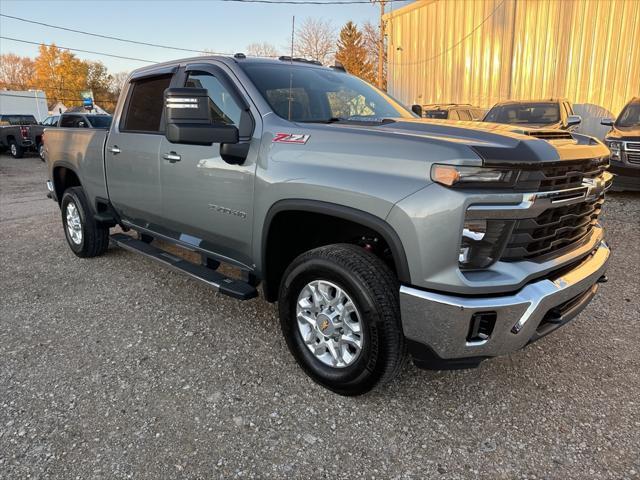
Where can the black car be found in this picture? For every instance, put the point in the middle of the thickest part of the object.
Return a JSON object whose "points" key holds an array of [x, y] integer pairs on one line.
{"points": [[543, 114], [20, 133], [623, 141], [450, 111]]}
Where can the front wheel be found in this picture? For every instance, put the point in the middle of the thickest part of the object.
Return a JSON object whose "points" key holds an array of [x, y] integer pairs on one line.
{"points": [[340, 315], [85, 237]]}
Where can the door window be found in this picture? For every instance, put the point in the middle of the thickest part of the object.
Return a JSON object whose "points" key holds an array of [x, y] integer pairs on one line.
{"points": [[70, 121], [453, 115], [146, 101], [224, 109]]}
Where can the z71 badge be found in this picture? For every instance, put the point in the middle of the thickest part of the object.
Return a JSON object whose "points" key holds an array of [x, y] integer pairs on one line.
{"points": [[290, 138]]}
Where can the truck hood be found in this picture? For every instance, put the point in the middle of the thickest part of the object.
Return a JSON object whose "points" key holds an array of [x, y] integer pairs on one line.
{"points": [[496, 144], [631, 133]]}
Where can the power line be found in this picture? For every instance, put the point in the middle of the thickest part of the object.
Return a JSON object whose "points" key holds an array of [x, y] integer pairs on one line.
{"points": [[78, 50], [455, 44], [59, 99]]}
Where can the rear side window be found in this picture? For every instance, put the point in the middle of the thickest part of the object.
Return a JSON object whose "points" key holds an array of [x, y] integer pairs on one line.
{"points": [[70, 121], [144, 112]]}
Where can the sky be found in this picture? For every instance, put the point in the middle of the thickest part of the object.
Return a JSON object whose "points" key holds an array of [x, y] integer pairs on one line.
{"points": [[212, 25]]}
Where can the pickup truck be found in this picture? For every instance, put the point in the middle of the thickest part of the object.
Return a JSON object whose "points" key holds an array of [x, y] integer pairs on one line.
{"points": [[20, 133], [379, 234], [623, 141]]}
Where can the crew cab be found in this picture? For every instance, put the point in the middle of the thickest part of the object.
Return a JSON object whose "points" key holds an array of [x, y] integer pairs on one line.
{"points": [[624, 142], [20, 133], [378, 233], [449, 111]]}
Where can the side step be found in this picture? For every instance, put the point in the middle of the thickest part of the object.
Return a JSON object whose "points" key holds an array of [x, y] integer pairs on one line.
{"points": [[221, 283]]}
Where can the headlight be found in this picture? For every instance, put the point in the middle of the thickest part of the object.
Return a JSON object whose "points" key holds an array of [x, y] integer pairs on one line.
{"points": [[482, 242], [615, 147], [451, 175]]}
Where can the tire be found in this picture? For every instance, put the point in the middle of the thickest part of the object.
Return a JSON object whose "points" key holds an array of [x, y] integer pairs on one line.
{"points": [[372, 289], [16, 150], [41, 151], [89, 239]]}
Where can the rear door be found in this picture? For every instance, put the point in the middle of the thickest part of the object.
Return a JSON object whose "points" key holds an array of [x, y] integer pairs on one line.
{"points": [[131, 155], [208, 202]]}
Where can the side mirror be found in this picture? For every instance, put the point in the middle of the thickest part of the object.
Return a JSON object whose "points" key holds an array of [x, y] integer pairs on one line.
{"points": [[188, 119], [417, 109], [607, 122], [573, 120]]}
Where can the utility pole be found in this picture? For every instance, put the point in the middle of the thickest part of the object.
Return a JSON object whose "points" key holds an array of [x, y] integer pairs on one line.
{"points": [[381, 48]]}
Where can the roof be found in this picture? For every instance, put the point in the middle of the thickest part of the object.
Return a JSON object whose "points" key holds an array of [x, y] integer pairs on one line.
{"points": [[538, 100]]}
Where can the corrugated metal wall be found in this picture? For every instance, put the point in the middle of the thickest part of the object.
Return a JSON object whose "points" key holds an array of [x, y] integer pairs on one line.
{"points": [[484, 51]]}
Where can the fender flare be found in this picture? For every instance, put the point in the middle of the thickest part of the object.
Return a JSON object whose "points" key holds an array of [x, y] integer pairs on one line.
{"points": [[361, 217]]}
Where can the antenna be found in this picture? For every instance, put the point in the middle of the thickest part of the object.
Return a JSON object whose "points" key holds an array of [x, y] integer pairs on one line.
{"points": [[293, 31]]}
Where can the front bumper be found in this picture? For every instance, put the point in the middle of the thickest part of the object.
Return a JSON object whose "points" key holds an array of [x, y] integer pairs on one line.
{"points": [[441, 323]]}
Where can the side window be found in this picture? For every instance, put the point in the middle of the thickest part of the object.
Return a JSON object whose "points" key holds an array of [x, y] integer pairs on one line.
{"points": [[144, 111], [224, 109], [464, 114], [68, 121], [453, 115]]}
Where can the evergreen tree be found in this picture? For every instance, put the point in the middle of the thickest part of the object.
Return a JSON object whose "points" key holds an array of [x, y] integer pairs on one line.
{"points": [[352, 53]]}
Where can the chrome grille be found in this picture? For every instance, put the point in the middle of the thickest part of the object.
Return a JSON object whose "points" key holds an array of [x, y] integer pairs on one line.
{"points": [[633, 146], [560, 175], [633, 157], [552, 231]]}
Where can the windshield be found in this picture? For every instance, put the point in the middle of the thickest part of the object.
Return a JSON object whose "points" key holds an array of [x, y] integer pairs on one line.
{"points": [[436, 113], [630, 116], [18, 120], [321, 95], [525, 114], [103, 121]]}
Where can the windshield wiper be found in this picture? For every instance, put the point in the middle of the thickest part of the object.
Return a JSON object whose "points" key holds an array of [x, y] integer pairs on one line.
{"points": [[322, 120]]}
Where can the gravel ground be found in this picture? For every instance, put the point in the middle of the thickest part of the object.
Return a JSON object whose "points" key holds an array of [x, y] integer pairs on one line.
{"points": [[117, 368]]}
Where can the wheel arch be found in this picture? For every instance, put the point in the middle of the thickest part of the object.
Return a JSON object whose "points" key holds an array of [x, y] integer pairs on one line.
{"points": [[346, 215], [64, 177]]}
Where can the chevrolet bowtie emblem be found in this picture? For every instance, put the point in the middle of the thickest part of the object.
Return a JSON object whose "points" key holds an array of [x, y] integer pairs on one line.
{"points": [[595, 187], [324, 325]]}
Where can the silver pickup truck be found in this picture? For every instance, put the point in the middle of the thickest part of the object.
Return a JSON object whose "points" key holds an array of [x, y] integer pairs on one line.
{"points": [[379, 234]]}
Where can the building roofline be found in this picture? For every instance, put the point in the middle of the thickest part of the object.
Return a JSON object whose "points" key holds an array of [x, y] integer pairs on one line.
{"points": [[406, 9]]}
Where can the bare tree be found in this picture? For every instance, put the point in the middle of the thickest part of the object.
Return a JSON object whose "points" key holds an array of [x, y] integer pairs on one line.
{"points": [[315, 39], [371, 39], [262, 49], [16, 73]]}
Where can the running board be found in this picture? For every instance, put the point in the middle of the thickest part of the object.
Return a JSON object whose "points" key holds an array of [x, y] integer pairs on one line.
{"points": [[219, 282]]}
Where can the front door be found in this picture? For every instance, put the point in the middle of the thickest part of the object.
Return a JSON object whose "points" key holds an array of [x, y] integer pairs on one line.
{"points": [[132, 163], [208, 202]]}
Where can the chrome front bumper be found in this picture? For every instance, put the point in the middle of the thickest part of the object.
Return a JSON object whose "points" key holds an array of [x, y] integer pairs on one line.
{"points": [[442, 322]]}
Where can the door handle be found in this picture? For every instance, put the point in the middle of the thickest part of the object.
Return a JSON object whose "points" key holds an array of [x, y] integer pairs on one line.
{"points": [[173, 157], [115, 150]]}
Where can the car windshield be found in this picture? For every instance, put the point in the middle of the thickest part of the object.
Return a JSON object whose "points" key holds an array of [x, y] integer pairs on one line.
{"points": [[103, 121], [630, 116], [309, 94], [436, 114], [525, 113], [18, 120]]}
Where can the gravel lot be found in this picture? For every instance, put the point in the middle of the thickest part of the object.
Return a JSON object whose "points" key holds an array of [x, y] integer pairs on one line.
{"points": [[117, 368]]}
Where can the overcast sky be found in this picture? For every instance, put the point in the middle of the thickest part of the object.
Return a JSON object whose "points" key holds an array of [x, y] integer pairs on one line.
{"points": [[218, 26]]}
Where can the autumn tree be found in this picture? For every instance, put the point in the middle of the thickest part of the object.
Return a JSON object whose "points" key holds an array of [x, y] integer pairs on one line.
{"points": [[315, 39], [16, 72], [60, 74], [352, 53], [262, 49], [371, 38]]}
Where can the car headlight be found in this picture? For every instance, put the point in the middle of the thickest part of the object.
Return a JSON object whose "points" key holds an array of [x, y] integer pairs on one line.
{"points": [[457, 175], [615, 147], [482, 242]]}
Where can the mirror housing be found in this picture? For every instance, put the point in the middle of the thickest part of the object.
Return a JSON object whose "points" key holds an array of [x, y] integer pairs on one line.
{"points": [[607, 122], [573, 120], [188, 119], [417, 109]]}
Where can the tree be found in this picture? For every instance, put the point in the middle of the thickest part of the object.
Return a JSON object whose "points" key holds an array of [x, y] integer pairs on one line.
{"points": [[60, 74], [371, 38], [315, 39], [99, 81], [352, 53], [16, 72], [264, 49]]}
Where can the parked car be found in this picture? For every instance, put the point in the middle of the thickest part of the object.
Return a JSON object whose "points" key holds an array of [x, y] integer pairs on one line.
{"points": [[623, 141], [543, 114], [84, 120], [51, 121], [450, 111], [20, 133], [376, 232]]}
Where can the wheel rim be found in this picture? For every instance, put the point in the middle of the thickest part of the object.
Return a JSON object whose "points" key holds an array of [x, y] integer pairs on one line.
{"points": [[329, 324], [41, 151], [74, 224], [14, 149]]}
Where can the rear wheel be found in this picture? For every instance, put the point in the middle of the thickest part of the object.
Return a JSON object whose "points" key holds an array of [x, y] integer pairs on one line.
{"points": [[340, 315], [85, 237], [41, 151], [16, 150]]}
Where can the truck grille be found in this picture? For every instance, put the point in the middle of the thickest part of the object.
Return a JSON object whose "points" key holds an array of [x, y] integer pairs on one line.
{"points": [[633, 157], [552, 230], [561, 175], [633, 146]]}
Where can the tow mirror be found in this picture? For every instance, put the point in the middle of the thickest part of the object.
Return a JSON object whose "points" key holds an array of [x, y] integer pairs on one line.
{"points": [[188, 119], [573, 120], [417, 109], [607, 122]]}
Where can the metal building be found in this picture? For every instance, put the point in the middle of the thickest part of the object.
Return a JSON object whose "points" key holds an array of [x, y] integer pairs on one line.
{"points": [[484, 51]]}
